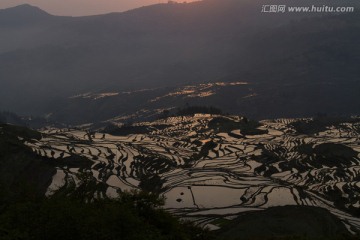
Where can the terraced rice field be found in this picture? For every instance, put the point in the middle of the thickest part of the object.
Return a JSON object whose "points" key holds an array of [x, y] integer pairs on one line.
{"points": [[207, 171]]}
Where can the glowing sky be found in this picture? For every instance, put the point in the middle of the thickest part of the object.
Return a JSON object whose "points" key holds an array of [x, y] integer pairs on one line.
{"points": [[83, 7]]}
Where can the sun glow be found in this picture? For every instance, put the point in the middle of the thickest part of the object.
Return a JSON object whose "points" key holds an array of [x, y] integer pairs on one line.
{"points": [[86, 7]]}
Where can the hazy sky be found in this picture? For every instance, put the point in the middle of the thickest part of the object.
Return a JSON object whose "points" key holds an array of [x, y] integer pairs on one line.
{"points": [[83, 7]]}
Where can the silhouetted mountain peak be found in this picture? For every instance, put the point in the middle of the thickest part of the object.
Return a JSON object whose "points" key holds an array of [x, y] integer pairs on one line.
{"points": [[24, 9], [22, 14]]}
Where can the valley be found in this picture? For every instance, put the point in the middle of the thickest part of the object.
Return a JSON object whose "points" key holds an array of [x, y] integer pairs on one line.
{"points": [[132, 124], [214, 167]]}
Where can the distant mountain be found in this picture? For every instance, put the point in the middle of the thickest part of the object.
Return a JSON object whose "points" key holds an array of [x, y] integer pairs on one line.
{"points": [[295, 64], [22, 15]]}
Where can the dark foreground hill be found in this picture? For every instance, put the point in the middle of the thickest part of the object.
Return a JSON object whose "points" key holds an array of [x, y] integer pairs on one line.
{"points": [[19, 166], [289, 222]]}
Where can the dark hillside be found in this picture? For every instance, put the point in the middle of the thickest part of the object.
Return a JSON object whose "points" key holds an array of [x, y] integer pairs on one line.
{"points": [[295, 64], [288, 222]]}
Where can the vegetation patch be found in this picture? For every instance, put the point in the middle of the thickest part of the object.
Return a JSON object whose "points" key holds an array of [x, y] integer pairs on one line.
{"points": [[247, 127], [126, 130], [320, 124], [19, 166], [131, 216]]}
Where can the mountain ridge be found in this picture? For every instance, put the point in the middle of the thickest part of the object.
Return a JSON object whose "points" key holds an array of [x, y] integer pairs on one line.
{"points": [[172, 46], [22, 15]]}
